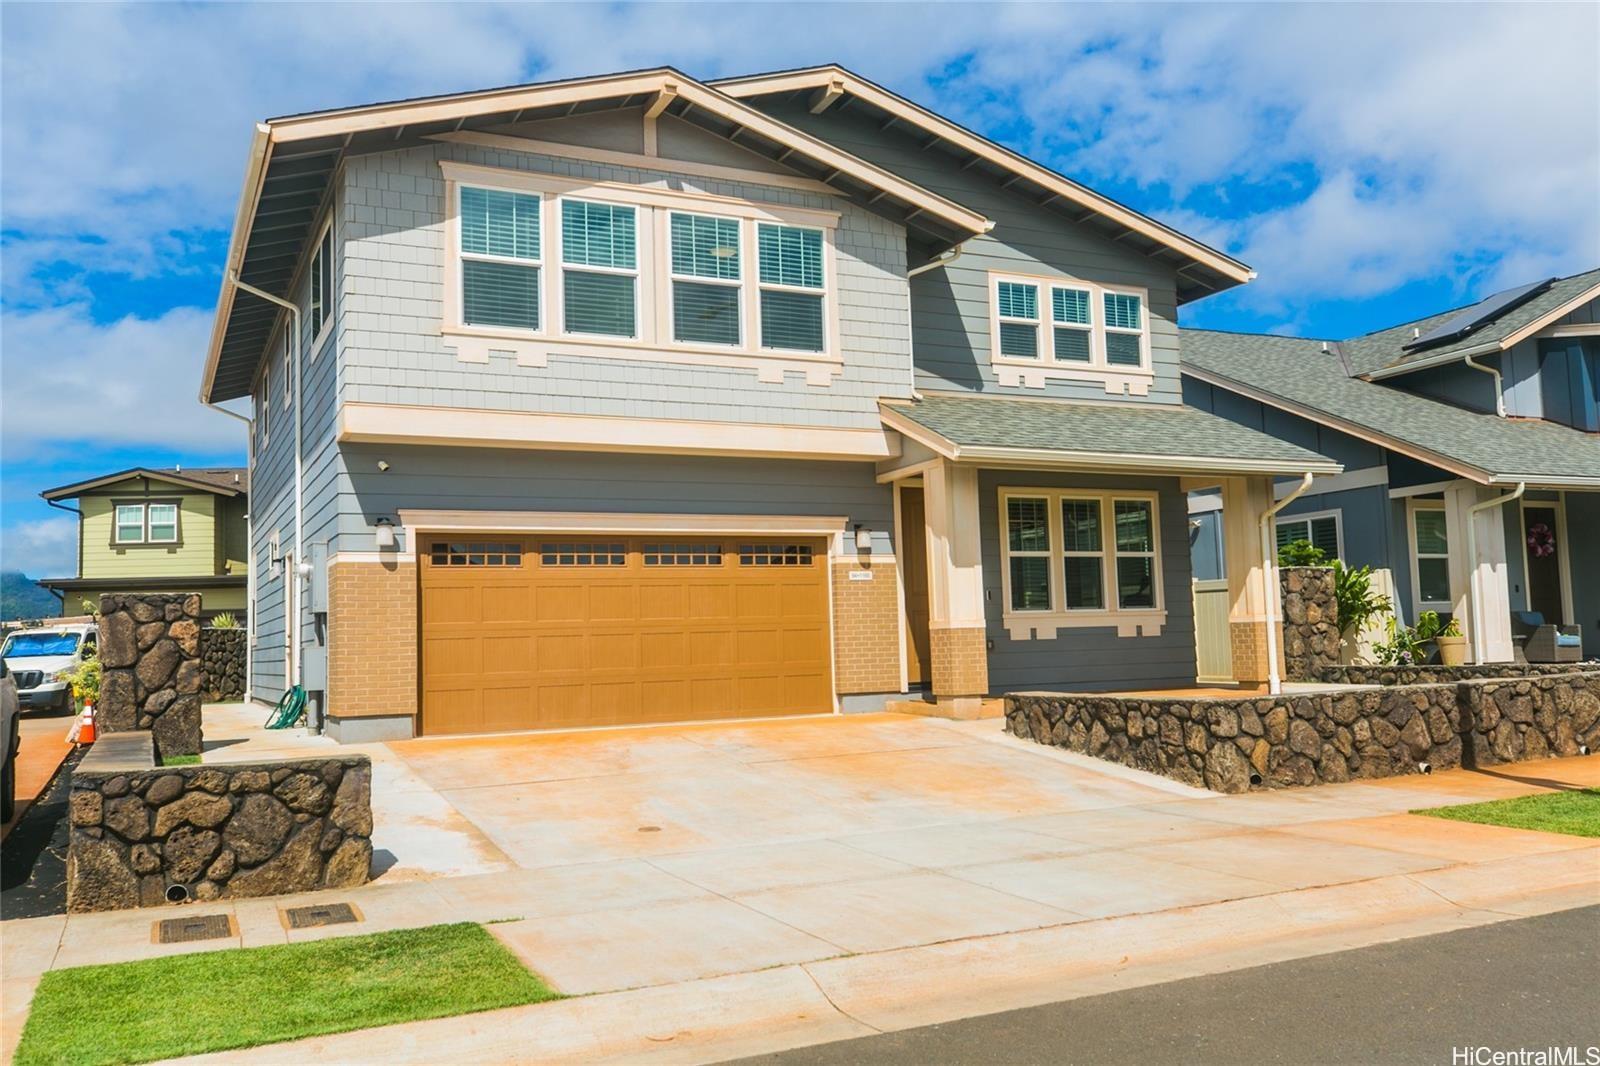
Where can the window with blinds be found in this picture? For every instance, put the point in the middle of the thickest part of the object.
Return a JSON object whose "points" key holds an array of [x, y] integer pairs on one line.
{"points": [[1124, 329], [792, 284], [500, 258], [1321, 531], [1066, 324], [599, 268], [706, 279], [1018, 308], [1069, 314]]}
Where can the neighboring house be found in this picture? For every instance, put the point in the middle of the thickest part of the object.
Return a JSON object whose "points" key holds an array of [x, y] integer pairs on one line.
{"points": [[155, 530], [1440, 424], [636, 398]]}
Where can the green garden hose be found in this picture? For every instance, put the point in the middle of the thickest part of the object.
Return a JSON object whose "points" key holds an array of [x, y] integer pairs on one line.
{"points": [[289, 710]]}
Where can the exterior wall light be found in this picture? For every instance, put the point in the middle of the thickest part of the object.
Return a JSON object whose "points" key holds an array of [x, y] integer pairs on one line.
{"points": [[863, 538], [383, 533]]}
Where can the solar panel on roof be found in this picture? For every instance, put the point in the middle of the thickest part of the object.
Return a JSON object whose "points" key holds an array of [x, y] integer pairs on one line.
{"points": [[1485, 310]]}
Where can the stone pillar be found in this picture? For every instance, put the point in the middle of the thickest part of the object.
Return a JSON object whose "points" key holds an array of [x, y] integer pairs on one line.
{"points": [[1310, 622], [151, 677], [1244, 501], [957, 637], [1482, 578]]}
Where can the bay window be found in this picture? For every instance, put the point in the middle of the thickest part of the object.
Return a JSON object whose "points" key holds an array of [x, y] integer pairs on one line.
{"points": [[1063, 567]]}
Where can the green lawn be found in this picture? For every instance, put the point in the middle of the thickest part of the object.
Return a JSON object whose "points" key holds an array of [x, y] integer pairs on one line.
{"points": [[215, 1000], [1576, 812], [180, 760]]}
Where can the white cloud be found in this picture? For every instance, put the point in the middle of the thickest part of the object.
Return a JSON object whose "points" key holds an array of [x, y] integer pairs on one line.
{"points": [[133, 381], [47, 547]]}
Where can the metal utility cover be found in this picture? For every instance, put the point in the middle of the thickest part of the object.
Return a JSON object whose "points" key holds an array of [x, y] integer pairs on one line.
{"points": [[320, 914], [198, 927]]}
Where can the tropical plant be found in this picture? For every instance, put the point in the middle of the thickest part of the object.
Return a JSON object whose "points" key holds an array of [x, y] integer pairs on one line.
{"points": [[1401, 648], [85, 681], [1357, 601], [1301, 553], [224, 620]]}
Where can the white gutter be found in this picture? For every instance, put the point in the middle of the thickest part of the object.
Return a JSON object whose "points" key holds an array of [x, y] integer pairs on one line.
{"points": [[301, 567], [1270, 556], [1472, 563], [1499, 388], [250, 546]]}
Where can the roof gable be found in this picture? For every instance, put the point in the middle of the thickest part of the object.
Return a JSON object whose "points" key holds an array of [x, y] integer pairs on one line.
{"points": [[222, 481], [1201, 270]]}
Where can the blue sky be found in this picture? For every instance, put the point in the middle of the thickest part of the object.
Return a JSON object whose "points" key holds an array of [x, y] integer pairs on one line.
{"points": [[1373, 163]]}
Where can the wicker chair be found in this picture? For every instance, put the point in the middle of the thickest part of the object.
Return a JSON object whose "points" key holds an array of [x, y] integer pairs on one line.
{"points": [[1539, 642]]}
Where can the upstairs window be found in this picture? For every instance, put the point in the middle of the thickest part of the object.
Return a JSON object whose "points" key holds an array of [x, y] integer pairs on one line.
{"points": [[500, 258], [792, 287], [321, 285], [706, 274], [1018, 308], [1067, 326], [145, 523], [600, 268]]}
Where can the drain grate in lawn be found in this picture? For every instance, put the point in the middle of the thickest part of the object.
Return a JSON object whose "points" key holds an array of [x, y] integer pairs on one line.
{"points": [[109, 1014], [1576, 812]]}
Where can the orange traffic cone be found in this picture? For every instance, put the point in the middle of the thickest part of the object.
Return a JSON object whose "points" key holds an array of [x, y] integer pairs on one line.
{"points": [[86, 725]]}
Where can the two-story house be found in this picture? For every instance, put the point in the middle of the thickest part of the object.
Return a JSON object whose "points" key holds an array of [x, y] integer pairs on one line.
{"points": [[636, 399], [1471, 446], [159, 530]]}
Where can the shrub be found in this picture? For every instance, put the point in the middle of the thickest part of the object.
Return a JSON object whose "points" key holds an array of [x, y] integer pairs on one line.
{"points": [[224, 620], [85, 681], [1358, 603], [1301, 553]]}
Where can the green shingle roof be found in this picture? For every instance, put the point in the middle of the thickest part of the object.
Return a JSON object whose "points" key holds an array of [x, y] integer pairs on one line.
{"points": [[1299, 376], [1117, 435], [1385, 349]]}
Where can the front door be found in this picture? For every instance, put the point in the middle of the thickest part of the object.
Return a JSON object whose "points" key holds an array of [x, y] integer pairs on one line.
{"points": [[1540, 531], [914, 573]]}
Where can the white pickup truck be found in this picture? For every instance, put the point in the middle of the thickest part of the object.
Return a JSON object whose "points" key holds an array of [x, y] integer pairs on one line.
{"points": [[40, 661]]}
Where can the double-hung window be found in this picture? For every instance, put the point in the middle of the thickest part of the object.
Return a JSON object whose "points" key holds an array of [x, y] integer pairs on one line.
{"points": [[1074, 329], [1076, 558], [145, 523], [1124, 329], [1017, 306], [500, 258], [792, 287], [706, 280], [1430, 556], [599, 268]]}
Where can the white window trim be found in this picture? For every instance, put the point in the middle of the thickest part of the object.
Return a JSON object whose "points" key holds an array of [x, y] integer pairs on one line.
{"points": [[288, 362], [311, 280], [1019, 372], [641, 255], [144, 523], [1337, 514], [749, 268], [1042, 625], [532, 348], [149, 525], [1418, 604]]}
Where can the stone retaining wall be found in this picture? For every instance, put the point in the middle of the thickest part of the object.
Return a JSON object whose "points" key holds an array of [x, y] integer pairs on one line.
{"points": [[1310, 621], [1433, 675], [222, 660], [149, 651], [1232, 745], [218, 831]]}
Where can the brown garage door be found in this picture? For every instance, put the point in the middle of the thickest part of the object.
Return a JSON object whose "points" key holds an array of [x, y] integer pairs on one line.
{"points": [[551, 633]]}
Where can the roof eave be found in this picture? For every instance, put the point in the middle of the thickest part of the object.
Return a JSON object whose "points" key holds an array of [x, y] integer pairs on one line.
{"points": [[834, 76], [67, 492]]}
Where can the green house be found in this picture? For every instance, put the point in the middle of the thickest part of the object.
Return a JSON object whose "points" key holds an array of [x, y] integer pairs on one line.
{"points": [[158, 530]]}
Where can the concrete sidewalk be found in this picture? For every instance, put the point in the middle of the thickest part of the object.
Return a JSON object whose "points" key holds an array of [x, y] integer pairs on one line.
{"points": [[809, 880]]}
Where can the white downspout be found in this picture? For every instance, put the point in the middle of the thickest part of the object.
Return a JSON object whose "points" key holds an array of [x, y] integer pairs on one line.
{"points": [[1269, 555], [911, 329], [301, 567], [1499, 388], [1476, 607], [250, 545]]}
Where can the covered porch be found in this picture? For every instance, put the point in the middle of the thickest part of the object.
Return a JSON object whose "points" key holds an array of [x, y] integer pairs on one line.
{"points": [[1044, 544]]}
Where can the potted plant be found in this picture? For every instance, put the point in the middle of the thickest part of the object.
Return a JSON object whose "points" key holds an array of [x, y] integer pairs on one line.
{"points": [[1452, 645]]}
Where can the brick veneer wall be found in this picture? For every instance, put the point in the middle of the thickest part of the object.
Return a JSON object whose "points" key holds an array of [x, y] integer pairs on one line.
{"points": [[149, 648], [1232, 745], [866, 627], [372, 639], [960, 661]]}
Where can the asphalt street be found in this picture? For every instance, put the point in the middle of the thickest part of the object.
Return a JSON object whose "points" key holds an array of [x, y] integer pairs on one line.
{"points": [[1529, 983]]}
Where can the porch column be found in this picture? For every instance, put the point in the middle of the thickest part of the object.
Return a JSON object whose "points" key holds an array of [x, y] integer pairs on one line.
{"points": [[1483, 577], [958, 642], [1244, 501]]}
